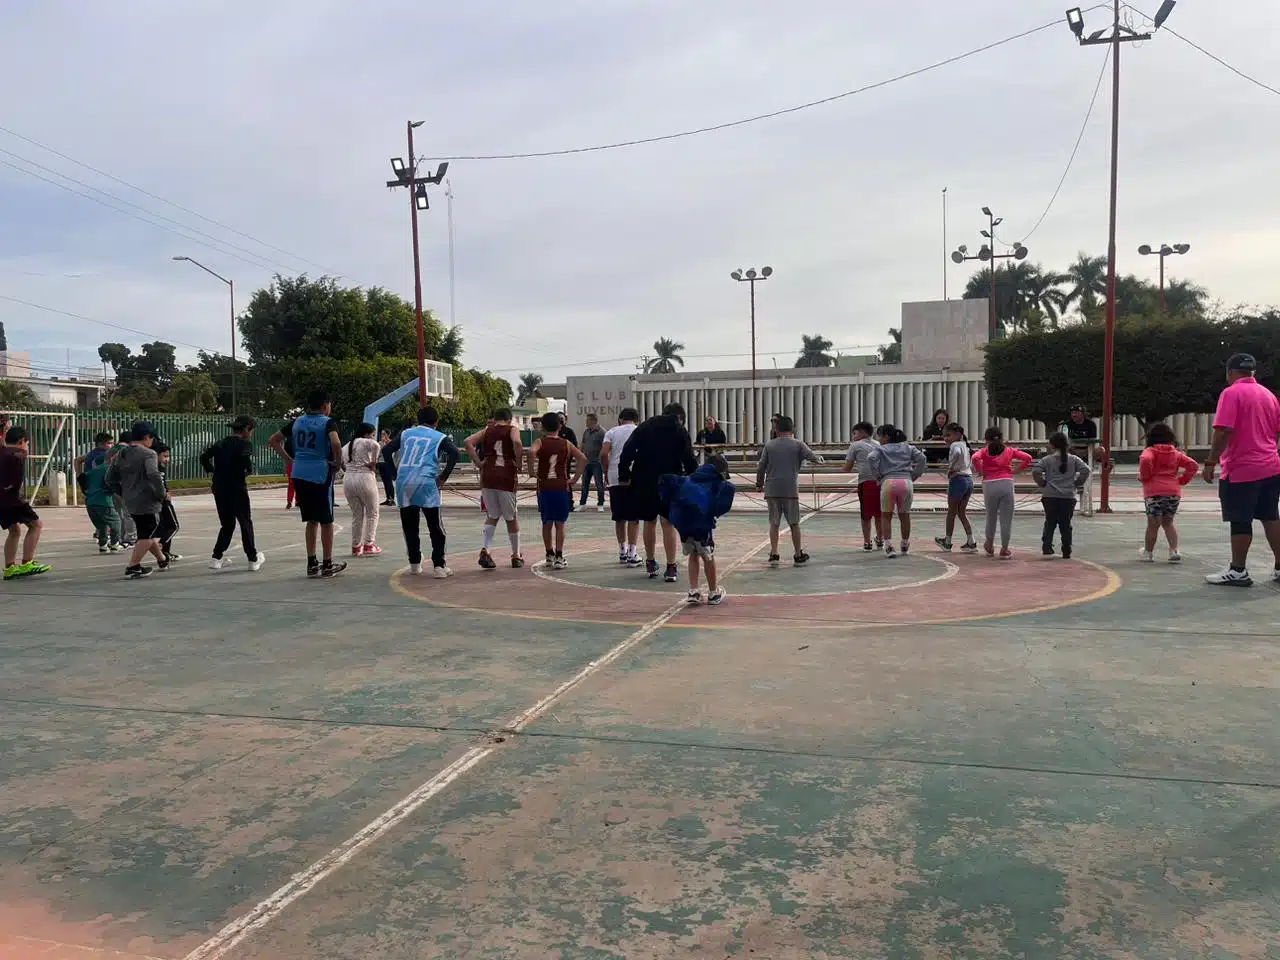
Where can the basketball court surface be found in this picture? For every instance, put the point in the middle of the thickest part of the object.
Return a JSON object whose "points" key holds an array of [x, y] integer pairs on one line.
{"points": [[935, 756]]}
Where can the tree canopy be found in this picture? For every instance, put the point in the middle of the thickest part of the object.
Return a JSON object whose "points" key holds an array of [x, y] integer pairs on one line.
{"points": [[530, 387], [891, 352], [814, 351], [667, 356]]}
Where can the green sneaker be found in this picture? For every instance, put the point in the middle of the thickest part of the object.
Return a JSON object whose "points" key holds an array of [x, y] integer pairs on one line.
{"points": [[35, 568], [15, 571]]}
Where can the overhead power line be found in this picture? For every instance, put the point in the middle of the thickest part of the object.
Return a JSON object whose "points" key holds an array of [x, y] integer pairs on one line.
{"points": [[106, 323], [1212, 56], [713, 128], [154, 196]]}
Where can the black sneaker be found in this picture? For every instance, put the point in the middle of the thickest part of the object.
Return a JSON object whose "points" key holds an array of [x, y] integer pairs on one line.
{"points": [[774, 560], [867, 547], [313, 568], [137, 573], [517, 563], [332, 569], [1066, 554], [672, 574], [651, 568], [486, 561], [943, 542], [162, 565], [800, 559], [1047, 550]]}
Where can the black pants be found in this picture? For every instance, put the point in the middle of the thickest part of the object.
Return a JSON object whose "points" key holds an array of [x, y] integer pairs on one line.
{"points": [[1058, 512], [233, 508], [409, 521], [168, 527], [388, 474]]}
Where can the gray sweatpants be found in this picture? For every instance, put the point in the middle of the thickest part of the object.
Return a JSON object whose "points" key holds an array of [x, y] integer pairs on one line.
{"points": [[127, 528], [998, 497]]}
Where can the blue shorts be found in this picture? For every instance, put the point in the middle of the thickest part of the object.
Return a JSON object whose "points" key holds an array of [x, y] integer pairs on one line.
{"points": [[554, 505], [959, 487]]}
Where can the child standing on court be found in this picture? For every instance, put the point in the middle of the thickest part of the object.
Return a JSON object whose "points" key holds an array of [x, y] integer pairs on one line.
{"points": [[16, 513], [959, 487], [693, 505], [168, 527], [897, 465], [549, 463], [778, 476], [361, 457], [859, 458], [1060, 475], [97, 498], [997, 464], [1164, 470]]}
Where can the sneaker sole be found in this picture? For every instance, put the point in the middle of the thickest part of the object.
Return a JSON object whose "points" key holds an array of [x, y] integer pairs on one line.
{"points": [[1230, 583]]}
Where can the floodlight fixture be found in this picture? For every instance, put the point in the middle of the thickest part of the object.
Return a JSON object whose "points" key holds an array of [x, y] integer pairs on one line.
{"points": [[766, 272], [1181, 248], [1097, 34], [751, 274], [737, 274], [1145, 250], [1020, 252], [1162, 14], [415, 124], [179, 258], [986, 234], [986, 211], [1075, 20], [985, 253], [998, 221], [420, 197], [958, 256], [1166, 250]]}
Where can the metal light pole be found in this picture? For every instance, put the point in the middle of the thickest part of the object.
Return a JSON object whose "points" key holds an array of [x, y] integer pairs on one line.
{"points": [[1120, 34], [751, 276], [407, 176], [944, 244], [1165, 250], [235, 398], [448, 192]]}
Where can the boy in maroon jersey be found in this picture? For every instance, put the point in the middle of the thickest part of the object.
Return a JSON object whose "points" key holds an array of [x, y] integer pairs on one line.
{"points": [[549, 462], [498, 452]]}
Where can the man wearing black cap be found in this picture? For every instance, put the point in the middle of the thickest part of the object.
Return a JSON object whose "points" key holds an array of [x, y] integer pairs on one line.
{"points": [[1245, 430], [136, 474]]}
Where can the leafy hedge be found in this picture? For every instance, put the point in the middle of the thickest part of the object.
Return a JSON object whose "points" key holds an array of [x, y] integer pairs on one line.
{"points": [[1163, 366]]}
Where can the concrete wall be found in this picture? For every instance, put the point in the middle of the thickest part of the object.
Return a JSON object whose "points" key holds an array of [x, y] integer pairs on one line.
{"points": [[603, 396], [943, 333]]}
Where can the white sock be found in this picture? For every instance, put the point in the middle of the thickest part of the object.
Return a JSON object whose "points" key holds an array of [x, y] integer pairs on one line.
{"points": [[489, 528], [515, 543]]}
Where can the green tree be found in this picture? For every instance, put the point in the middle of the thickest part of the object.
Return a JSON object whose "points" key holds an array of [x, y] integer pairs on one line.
{"points": [[530, 387], [19, 396], [298, 318], [667, 355], [192, 391], [1020, 287], [891, 352], [813, 352], [4, 341], [1087, 280]]}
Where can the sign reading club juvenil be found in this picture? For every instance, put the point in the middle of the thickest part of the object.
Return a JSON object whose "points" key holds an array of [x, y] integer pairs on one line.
{"points": [[604, 396]]}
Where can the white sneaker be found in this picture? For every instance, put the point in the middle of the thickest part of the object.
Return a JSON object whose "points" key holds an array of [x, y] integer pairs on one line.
{"points": [[256, 565], [889, 551], [1175, 556], [216, 564], [415, 569], [440, 573], [717, 597], [1230, 578], [1145, 556], [599, 508], [1275, 575], [560, 563], [694, 598]]}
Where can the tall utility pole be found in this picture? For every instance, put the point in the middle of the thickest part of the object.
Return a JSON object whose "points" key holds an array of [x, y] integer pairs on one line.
{"points": [[752, 277], [407, 176], [1120, 34], [231, 286], [448, 192], [944, 244], [1165, 250]]}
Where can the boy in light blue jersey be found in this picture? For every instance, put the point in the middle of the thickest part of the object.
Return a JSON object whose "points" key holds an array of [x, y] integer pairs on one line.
{"points": [[311, 445], [418, 483]]}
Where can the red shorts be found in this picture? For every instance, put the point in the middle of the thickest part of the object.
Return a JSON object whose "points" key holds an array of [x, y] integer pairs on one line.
{"points": [[869, 498]]}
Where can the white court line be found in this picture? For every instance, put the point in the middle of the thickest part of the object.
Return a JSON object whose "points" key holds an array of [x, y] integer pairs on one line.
{"points": [[301, 883]]}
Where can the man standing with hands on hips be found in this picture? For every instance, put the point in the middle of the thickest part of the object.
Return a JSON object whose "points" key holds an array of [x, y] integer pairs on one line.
{"points": [[1245, 431]]}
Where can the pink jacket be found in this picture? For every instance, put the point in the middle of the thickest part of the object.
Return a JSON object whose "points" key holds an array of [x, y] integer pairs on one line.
{"points": [[1001, 467], [1164, 470]]}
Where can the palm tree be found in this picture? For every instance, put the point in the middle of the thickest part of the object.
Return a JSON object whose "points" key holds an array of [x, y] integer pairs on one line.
{"points": [[1184, 298], [891, 352], [814, 351], [1043, 294], [1088, 279], [667, 356], [192, 391], [530, 387], [1020, 287]]}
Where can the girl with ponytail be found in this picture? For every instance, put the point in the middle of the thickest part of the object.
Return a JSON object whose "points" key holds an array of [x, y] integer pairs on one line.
{"points": [[997, 463]]}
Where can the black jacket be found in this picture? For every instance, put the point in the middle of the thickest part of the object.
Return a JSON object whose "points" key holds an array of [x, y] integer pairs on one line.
{"points": [[712, 437], [230, 460], [659, 445]]}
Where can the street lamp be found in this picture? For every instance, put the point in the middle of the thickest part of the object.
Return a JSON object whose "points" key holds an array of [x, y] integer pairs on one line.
{"points": [[752, 277], [1178, 249], [1120, 34], [988, 254], [407, 176], [232, 288]]}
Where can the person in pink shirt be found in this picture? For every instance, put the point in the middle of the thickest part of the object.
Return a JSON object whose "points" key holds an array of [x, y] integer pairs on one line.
{"points": [[1245, 430], [1164, 470], [997, 464]]}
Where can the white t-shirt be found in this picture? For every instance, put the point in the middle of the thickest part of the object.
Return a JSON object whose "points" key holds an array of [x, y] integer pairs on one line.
{"points": [[616, 437], [960, 460], [860, 455]]}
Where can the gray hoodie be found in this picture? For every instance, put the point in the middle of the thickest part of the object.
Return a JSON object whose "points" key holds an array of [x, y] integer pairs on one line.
{"points": [[137, 470], [1057, 483], [897, 461]]}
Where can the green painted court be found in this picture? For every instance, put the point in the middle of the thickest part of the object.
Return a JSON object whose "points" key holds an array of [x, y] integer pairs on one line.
{"points": [[934, 756]]}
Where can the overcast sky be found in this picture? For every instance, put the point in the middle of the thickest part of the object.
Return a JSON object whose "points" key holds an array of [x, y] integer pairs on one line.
{"points": [[277, 118]]}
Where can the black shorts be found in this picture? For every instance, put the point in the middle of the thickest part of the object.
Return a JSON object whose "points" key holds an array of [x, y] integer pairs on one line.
{"points": [[620, 505], [15, 516], [315, 500], [645, 504], [1250, 501], [146, 524]]}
